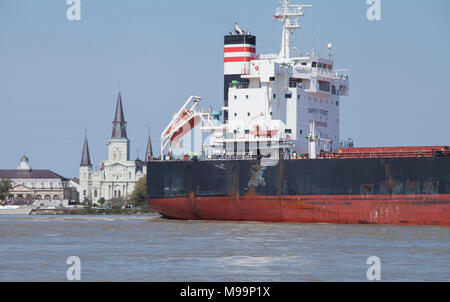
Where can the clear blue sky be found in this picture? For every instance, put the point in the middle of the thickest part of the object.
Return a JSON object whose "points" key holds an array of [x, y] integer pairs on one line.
{"points": [[58, 76]]}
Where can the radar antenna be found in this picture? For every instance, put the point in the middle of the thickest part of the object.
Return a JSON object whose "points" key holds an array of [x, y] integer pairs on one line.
{"points": [[288, 14]]}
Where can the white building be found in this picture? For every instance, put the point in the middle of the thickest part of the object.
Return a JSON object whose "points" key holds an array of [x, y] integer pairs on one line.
{"points": [[30, 184], [118, 174]]}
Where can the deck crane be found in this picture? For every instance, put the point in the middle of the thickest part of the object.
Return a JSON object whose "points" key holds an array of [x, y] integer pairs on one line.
{"points": [[314, 140]]}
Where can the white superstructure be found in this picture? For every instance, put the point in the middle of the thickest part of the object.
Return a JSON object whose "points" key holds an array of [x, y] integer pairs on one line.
{"points": [[272, 99]]}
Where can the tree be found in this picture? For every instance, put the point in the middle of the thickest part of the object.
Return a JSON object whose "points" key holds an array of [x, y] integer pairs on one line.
{"points": [[5, 187], [102, 201], [139, 195]]}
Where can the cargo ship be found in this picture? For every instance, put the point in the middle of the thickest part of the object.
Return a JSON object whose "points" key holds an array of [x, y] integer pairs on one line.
{"points": [[273, 152]]}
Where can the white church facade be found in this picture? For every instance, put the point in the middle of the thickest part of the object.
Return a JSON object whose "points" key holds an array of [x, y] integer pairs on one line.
{"points": [[116, 176]]}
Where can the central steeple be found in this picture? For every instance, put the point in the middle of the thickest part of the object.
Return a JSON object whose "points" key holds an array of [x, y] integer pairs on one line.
{"points": [[119, 144], [119, 124], [85, 157]]}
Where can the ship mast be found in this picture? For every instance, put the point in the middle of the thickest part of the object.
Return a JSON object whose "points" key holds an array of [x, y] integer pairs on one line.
{"points": [[289, 14]]}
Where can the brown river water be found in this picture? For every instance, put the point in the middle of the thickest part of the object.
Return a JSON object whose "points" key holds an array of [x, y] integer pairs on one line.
{"points": [[148, 248]]}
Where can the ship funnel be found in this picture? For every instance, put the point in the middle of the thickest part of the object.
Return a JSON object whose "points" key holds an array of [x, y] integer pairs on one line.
{"points": [[239, 50]]}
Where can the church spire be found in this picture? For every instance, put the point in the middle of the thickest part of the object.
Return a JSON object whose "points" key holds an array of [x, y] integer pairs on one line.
{"points": [[149, 152], [85, 157], [119, 123]]}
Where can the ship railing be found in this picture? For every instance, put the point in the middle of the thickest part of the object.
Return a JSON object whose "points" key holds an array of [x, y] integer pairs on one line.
{"points": [[242, 85], [239, 85], [393, 154], [288, 11], [293, 23], [341, 74]]}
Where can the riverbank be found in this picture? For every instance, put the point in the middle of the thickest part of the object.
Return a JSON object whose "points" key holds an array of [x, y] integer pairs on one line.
{"points": [[91, 211]]}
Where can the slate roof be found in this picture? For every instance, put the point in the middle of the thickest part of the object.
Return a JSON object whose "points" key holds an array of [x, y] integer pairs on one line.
{"points": [[29, 174]]}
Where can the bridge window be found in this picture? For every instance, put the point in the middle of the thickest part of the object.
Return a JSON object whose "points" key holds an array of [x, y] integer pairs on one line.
{"points": [[314, 64], [324, 86]]}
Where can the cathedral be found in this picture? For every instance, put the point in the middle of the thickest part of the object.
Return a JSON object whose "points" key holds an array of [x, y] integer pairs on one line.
{"points": [[117, 175]]}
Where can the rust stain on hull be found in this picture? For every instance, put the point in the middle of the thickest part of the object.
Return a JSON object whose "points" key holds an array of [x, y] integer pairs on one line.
{"points": [[342, 209]]}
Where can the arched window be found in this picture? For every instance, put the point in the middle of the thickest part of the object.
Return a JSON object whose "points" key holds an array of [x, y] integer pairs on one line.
{"points": [[47, 197], [38, 197], [95, 193], [55, 197]]}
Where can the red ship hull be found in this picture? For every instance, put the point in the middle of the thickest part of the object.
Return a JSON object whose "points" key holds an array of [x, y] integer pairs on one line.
{"points": [[343, 209]]}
